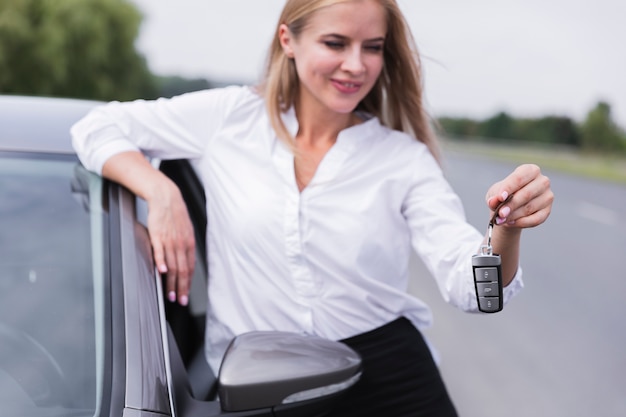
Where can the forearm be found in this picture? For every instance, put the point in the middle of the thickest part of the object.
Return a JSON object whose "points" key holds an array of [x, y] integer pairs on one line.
{"points": [[134, 171], [529, 206], [506, 242]]}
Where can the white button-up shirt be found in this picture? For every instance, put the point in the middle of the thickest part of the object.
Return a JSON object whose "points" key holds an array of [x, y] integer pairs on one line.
{"points": [[331, 260]]}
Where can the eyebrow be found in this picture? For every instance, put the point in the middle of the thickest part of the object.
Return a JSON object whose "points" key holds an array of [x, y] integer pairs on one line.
{"points": [[342, 37]]}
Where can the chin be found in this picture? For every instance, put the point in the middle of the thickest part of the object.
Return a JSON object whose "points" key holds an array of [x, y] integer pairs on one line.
{"points": [[344, 108]]}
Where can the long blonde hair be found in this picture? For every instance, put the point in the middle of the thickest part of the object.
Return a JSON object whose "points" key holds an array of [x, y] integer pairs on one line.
{"points": [[396, 98]]}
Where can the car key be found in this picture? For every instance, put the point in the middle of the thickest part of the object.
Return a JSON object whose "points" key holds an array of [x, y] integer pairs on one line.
{"points": [[487, 280], [487, 272]]}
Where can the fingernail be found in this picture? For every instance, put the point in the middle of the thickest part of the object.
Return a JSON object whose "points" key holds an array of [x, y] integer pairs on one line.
{"points": [[504, 195], [163, 268], [505, 211], [500, 220], [171, 296], [184, 300]]}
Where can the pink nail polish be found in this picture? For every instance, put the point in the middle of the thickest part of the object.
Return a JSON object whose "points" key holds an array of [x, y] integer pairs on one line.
{"points": [[171, 296], [184, 300]]}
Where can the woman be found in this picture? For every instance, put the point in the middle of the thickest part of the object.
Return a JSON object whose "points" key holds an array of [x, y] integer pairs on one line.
{"points": [[319, 183]]}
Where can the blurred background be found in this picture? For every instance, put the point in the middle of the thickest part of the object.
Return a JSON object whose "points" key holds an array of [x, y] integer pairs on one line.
{"points": [[507, 82], [520, 70]]}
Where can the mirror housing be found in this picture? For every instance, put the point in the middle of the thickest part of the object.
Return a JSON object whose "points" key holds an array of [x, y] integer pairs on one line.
{"points": [[268, 369]]}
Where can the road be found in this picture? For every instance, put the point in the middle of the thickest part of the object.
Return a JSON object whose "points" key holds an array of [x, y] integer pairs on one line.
{"points": [[559, 347]]}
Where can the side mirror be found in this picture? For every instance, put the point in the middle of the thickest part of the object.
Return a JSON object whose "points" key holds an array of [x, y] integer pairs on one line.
{"points": [[269, 369]]}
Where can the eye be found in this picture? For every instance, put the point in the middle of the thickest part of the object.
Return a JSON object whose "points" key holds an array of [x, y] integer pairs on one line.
{"points": [[334, 44], [377, 48]]}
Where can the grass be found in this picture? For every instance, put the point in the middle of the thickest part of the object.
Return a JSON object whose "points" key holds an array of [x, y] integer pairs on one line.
{"points": [[604, 167]]}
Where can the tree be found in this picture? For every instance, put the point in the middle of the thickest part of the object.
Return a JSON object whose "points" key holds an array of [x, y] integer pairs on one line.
{"points": [[500, 126], [170, 86], [599, 132], [72, 48], [457, 127], [548, 129]]}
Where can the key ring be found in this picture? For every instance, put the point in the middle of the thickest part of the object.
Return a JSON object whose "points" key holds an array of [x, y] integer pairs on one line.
{"points": [[492, 222]]}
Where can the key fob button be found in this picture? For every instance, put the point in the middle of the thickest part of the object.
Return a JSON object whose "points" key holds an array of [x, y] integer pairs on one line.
{"points": [[487, 289], [489, 304], [486, 274]]}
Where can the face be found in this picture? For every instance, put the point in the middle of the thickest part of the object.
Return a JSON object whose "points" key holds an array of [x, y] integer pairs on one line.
{"points": [[338, 55]]}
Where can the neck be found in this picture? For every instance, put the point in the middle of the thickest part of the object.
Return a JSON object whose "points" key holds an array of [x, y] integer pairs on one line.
{"points": [[322, 128]]}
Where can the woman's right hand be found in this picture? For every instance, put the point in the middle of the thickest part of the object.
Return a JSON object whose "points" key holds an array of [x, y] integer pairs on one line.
{"points": [[172, 238], [169, 225]]}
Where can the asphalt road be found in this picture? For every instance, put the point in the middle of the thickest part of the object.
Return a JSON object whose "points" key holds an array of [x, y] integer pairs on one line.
{"points": [[559, 347]]}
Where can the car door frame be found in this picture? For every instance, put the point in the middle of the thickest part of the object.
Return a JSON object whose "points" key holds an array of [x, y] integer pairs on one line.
{"points": [[141, 386]]}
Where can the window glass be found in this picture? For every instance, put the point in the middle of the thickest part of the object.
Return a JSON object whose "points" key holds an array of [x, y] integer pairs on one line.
{"points": [[51, 274]]}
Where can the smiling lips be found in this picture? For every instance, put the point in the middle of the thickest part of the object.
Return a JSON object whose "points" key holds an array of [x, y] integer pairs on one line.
{"points": [[347, 87]]}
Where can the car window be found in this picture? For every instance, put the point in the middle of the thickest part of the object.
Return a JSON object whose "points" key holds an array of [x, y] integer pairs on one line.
{"points": [[51, 291]]}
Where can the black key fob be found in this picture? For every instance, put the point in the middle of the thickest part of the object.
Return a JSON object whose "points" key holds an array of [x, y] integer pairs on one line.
{"points": [[488, 281]]}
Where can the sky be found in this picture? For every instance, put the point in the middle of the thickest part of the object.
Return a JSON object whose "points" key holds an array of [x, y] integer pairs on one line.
{"points": [[530, 58]]}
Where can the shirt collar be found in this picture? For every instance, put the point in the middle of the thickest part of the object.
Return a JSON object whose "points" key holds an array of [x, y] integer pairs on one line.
{"points": [[291, 121]]}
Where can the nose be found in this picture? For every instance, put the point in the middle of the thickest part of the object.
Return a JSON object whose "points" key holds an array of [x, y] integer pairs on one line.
{"points": [[353, 60]]}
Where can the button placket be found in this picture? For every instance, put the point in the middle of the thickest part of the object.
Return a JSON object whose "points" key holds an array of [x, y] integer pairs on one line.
{"points": [[300, 271]]}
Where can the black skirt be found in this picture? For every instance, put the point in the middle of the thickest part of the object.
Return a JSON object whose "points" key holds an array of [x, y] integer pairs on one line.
{"points": [[400, 377]]}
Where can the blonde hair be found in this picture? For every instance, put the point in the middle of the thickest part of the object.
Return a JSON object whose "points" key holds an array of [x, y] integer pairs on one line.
{"points": [[396, 98]]}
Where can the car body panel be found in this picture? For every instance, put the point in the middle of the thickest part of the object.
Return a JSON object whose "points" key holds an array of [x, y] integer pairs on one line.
{"points": [[40, 124]]}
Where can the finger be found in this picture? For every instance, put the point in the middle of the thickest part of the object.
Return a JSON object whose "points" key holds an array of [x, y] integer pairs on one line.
{"points": [[534, 211], [185, 261], [532, 220], [172, 274], [521, 177], [502, 210], [158, 254], [495, 200], [160, 260], [518, 179], [171, 270]]}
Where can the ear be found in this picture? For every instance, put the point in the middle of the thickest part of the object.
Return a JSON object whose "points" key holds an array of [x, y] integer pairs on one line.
{"points": [[285, 38]]}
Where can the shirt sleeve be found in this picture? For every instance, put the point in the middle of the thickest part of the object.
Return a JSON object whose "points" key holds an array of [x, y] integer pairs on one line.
{"points": [[166, 128], [443, 238]]}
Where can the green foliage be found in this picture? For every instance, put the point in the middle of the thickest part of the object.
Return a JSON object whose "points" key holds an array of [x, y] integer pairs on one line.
{"points": [[170, 86], [459, 126], [499, 126], [599, 133], [502, 126], [549, 129], [72, 48]]}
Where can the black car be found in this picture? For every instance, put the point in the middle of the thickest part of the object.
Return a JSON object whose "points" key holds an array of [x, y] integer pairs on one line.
{"points": [[84, 329]]}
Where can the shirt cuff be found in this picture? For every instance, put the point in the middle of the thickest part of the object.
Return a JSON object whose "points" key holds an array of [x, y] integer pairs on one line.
{"points": [[108, 150], [514, 287]]}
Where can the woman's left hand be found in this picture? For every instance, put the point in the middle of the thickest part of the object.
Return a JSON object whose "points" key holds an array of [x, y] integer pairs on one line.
{"points": [[532, 199]]}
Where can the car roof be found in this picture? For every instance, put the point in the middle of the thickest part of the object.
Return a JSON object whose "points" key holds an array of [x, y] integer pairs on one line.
{"points": [[39, 124]]}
